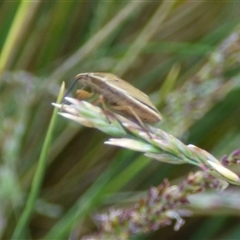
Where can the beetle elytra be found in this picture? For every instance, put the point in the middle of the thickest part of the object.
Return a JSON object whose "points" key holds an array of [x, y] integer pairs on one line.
{"points": [[121, 96]]}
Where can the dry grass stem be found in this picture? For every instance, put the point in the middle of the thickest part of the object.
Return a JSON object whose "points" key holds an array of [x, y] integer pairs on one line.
{"points": [[156, 143]]}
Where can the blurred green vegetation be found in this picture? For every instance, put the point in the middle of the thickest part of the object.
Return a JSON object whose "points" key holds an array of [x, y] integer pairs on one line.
{"points": [[46, 42]]}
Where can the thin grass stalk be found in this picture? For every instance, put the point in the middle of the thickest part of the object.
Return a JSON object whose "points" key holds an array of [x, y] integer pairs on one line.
{"points": [[19, 26], [38, 177], [142, 39]]}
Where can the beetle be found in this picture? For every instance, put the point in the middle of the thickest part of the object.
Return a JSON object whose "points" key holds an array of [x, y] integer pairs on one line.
{"points": [[120, 96]]}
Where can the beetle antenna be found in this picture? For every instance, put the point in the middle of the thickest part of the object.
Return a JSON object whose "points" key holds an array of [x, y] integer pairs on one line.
{"points": [[70, 89]]}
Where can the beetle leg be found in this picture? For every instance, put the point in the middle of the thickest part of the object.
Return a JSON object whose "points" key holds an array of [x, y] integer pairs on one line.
{"points": [[125, 107], [105, 109], [82, 94]]}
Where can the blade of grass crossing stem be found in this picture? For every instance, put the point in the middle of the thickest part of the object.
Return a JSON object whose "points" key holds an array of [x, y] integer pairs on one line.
{"points": [[106, 183], [85, 204], [38, 177], [24, 13], [127, 174], [168, 84]]}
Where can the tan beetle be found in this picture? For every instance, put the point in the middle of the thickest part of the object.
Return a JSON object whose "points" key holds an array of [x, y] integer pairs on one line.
{"points": [[120, 96]]}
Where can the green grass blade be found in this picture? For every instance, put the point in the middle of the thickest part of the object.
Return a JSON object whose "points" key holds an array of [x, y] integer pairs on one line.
{"points": [[38, 177], [19, 26]]}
